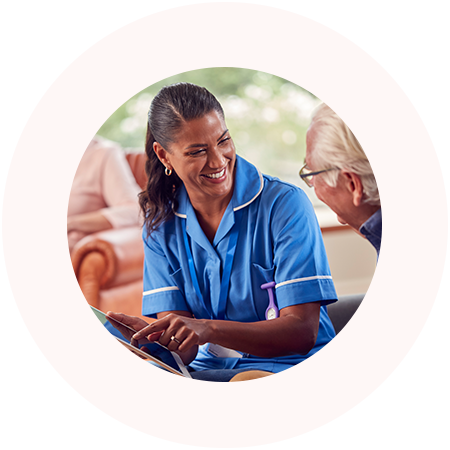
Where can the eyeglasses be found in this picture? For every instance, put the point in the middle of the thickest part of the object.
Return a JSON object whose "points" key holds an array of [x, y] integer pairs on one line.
{"points": [[306, 175]]}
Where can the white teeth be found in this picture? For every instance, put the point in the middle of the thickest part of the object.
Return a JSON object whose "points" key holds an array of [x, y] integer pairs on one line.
{"points": [[216, 175]]}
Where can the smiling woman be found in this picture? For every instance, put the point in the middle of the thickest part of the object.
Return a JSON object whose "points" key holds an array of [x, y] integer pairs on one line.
{"points": [[206, 169], [216, 233], [204, 158], [184, 149]]}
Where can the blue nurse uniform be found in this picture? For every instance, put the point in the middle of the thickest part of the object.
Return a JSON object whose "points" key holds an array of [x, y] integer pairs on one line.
{"points": [[278, 240]]}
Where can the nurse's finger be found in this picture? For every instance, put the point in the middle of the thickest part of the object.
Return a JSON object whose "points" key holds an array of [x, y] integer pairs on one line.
{"points": [[176, 337], [122, 329], [173, 343], [142, 333], [187, 343], [166, 337], [155, 336], [157, 325], [134, 343], [181, 340], [134, 322]]}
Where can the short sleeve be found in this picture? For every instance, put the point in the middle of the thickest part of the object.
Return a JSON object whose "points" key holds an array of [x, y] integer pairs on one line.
{"points": [[302, 273], [163, 286]]}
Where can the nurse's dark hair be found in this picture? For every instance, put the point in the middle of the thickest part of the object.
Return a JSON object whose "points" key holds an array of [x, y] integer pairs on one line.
{"points": [[171, 109]]}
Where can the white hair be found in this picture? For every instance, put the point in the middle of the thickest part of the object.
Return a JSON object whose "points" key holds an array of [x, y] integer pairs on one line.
{"points": [[336, 146]]}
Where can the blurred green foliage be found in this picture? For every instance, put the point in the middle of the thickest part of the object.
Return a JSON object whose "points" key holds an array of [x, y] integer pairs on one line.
{"points": [[267, 116]]}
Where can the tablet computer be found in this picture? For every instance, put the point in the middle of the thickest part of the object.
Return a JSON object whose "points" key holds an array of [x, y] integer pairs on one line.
{"points": [[152, 351]]}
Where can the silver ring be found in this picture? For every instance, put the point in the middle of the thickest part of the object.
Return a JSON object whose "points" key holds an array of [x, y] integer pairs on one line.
{"points": [[173, 338]]}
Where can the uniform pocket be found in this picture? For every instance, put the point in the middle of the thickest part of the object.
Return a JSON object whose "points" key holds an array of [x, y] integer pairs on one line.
{"points": [[262, 274]]}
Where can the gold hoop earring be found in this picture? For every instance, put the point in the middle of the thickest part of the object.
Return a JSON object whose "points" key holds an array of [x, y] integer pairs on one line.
{"points": [[168, 172]]}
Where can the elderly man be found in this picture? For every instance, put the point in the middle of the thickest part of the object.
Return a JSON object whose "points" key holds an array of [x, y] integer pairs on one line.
{"points": [[338, 169]]}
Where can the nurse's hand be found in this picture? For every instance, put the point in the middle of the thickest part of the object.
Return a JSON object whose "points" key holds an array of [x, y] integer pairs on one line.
{"points": [[136, 323], [177, 331]]}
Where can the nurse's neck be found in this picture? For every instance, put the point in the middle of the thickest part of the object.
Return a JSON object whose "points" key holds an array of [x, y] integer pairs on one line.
{"points": [[209, 214]]}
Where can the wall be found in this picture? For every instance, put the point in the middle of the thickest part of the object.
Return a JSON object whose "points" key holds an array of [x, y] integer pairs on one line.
{"points": [[352, 258]]}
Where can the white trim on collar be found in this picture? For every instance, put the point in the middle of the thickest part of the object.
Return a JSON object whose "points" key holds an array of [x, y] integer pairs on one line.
{"points": [[183, 216], [259, 192]]}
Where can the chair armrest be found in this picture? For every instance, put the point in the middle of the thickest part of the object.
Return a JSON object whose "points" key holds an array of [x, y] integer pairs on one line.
{"points": [[113, 257]]}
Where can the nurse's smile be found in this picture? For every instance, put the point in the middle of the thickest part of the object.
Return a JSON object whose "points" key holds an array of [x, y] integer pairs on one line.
{"points": [[217, 177]]}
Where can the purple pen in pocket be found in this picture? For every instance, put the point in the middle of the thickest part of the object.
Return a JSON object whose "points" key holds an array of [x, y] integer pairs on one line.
{"points": [[272, 311]]}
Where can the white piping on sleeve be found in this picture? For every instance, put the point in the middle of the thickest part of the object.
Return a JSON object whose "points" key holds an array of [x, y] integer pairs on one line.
{"points": [[155, 291], [299, 280]]}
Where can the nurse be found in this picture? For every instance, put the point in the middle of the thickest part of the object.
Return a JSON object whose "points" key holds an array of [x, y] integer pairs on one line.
{"points": [[215, 231]]}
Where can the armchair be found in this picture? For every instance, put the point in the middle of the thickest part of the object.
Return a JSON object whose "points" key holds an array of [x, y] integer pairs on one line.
{"points": [[108, 264]]}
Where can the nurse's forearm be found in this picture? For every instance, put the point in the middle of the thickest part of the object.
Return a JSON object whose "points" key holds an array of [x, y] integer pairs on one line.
{"points": [[294, 332]]}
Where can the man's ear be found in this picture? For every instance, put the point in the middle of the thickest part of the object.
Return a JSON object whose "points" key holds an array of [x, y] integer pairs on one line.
{"points": [[354, 187], [162, 154]]}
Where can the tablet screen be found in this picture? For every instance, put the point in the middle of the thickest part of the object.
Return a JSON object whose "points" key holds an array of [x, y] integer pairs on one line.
{"points": [[147, 350]]}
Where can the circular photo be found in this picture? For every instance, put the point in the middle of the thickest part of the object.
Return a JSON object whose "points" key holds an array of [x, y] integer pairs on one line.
{"points": [[224, 224]]}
